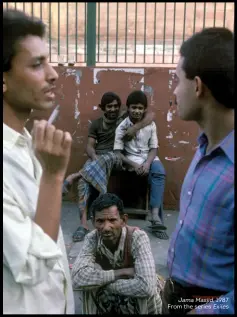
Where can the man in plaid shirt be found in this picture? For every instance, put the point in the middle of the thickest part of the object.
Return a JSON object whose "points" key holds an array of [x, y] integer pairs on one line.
{"points": [[201, 254], [115, 269]]}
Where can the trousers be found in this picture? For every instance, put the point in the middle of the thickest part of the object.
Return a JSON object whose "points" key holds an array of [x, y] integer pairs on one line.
{"points": [[156, 179]]}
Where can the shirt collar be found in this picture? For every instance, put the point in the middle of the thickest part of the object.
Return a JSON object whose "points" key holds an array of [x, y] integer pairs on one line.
{"points": [[227, 144], [129, 121], [12, 137], [118, 254]]}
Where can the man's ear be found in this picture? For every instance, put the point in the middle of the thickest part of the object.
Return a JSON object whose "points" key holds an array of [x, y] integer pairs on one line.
{"points": [[124, 218], [199, 87]]}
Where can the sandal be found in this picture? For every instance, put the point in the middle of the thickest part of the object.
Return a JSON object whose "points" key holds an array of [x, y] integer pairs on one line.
{"points": [[161, 235], [80, 234], [157, 225]]}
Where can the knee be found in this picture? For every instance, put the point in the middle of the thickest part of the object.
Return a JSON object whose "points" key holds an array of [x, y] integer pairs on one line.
{"points": [[157, 168]]}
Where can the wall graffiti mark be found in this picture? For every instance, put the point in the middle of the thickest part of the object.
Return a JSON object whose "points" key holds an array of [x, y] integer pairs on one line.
{"points": [[76, 111], [173, 159], [170, 136], [169, 116], [127, 70], [183, 142]]}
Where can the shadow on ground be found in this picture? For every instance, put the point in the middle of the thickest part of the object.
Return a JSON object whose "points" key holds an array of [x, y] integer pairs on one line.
{"points": [[70, 222]]}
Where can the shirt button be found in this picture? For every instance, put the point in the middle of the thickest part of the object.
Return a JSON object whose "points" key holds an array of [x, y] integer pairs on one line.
{"points": [[181, 221], [189, 193]]}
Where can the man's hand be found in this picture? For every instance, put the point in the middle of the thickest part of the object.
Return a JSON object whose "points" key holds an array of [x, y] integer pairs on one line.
{"points": [[137, 168], [130, 134], [124, 273], [71, 178], [52, 148], [144, 169]]}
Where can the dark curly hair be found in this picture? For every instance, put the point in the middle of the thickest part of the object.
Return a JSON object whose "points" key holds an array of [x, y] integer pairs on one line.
{"points": [[209, 54], [105, 201], [16, 26], [107, 98], [137, 97]]}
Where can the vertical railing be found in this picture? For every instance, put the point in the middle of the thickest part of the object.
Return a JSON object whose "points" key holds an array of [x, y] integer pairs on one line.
{"points": [[91, 34], [123, 32]]}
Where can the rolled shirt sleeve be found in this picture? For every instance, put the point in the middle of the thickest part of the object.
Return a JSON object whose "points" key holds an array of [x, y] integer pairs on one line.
{"points": [[153, 142], [28, 251]]}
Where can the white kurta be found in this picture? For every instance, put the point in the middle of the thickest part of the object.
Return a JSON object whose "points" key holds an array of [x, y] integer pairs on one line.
{"points": [[36, 277]]}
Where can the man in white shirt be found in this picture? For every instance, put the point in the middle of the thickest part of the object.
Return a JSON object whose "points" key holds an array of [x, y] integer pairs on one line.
{"points": [[140, 154], [36, 277]]}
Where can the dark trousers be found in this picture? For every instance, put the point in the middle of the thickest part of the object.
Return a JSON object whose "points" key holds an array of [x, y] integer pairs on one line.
{"points": [[179, 300]]}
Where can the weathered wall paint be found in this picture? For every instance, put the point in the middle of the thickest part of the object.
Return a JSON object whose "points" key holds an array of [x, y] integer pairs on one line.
{"points": [[79, 93]]}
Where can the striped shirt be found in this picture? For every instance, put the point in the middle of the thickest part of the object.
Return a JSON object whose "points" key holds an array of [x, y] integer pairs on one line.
{"points": [[201, 251]]}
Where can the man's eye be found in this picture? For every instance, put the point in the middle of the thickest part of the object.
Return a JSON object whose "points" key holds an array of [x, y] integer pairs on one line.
{"points": [[36, 65]]}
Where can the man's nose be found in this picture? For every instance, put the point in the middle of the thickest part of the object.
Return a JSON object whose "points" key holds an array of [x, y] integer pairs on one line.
{"points": [[106, 226], [52, 75]]}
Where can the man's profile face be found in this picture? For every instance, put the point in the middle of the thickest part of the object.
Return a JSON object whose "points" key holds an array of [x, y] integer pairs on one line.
{"points": [[112, 110], [30, 83], [109, 223], [186, 95]]}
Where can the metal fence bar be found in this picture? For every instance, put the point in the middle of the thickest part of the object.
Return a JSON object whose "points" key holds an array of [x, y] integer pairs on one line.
{"points": [[164, 34], [126, 32], [41, 10], [224, 14], [194, 20], [91, 33], [76, 32], [117, 21], [154, 40], [184, 26], [32, 9], [214, 14], [58, 30], [85, 33], [144, 56], [50, 32], [107, 45], [204, 15], [98, 33], [135, 35], [67, 33], [173, 32]]}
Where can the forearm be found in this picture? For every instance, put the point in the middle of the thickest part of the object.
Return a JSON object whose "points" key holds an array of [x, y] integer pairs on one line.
{"points": [[223, 305], [124, 159], [48, 211], [148, 118], [89, 277], [136, 287], [91, 152], [151, 156]]}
